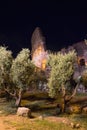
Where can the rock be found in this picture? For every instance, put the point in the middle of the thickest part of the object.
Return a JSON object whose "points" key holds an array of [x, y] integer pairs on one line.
{"points": [[69, 110], [73, 109], [76, 109], [65, 121], [84, 110], [41, 117], [72, 125], [77, 126], [23, 111]]}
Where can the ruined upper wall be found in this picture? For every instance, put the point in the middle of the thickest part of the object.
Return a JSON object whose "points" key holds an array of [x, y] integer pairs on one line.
{"points": [[37, 39], [39, 54]]}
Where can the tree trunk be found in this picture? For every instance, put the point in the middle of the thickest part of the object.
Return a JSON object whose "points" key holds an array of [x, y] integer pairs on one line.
{"points": [[18, 102], [63, 106], [16, 95], [18, 98], [65, 100]]}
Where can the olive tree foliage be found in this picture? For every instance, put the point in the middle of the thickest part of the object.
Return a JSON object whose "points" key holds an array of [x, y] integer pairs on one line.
{"points": [[21, 72], [5, 65], [62, 69]]}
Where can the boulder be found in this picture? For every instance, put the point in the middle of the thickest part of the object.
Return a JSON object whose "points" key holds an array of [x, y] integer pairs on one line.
{"points": [[77, 126], [41, 117], [84, 110], [73, 109], [69, 110], [72, 125], [23, 111]]}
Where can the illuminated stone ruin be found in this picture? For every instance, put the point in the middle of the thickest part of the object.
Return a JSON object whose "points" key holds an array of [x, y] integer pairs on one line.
{"points": [[81, 49], [39, 53]]}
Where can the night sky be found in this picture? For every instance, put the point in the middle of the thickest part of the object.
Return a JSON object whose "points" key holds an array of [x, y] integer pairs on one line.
{"points": [[62, 23]]}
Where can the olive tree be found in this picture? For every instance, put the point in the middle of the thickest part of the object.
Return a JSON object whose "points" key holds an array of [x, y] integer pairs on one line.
{"points": [[5, 65], [21, 72], [62, 69]]}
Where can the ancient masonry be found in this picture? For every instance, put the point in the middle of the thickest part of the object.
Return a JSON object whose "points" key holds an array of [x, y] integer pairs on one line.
{"points": [[39, 53], [81, 49]]}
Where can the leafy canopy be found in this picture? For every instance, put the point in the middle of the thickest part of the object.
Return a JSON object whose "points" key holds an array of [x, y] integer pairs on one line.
{"points": [[22, 69], [62, 69], [5, 65]]}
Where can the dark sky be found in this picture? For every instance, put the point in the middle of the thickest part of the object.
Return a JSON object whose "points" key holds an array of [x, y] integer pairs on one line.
{"points": [[62, 23]]}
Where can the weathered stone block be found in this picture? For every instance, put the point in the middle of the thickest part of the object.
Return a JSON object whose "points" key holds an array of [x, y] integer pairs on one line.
{"points": [[23, 111]]}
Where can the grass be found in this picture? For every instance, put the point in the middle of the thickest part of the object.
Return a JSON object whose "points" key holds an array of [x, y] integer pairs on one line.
{"points": [[81, 118], [21, 123], [39, 107], [36, 124], [7, 108]]}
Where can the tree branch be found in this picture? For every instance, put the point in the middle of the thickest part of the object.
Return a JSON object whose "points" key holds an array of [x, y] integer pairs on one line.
{"points": [[63, 91], [74, 92], [12, 94]]}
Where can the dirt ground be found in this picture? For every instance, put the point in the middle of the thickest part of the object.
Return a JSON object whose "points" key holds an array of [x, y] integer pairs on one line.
{"points": [[9, 122], [4, 125], [5, 121]]}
